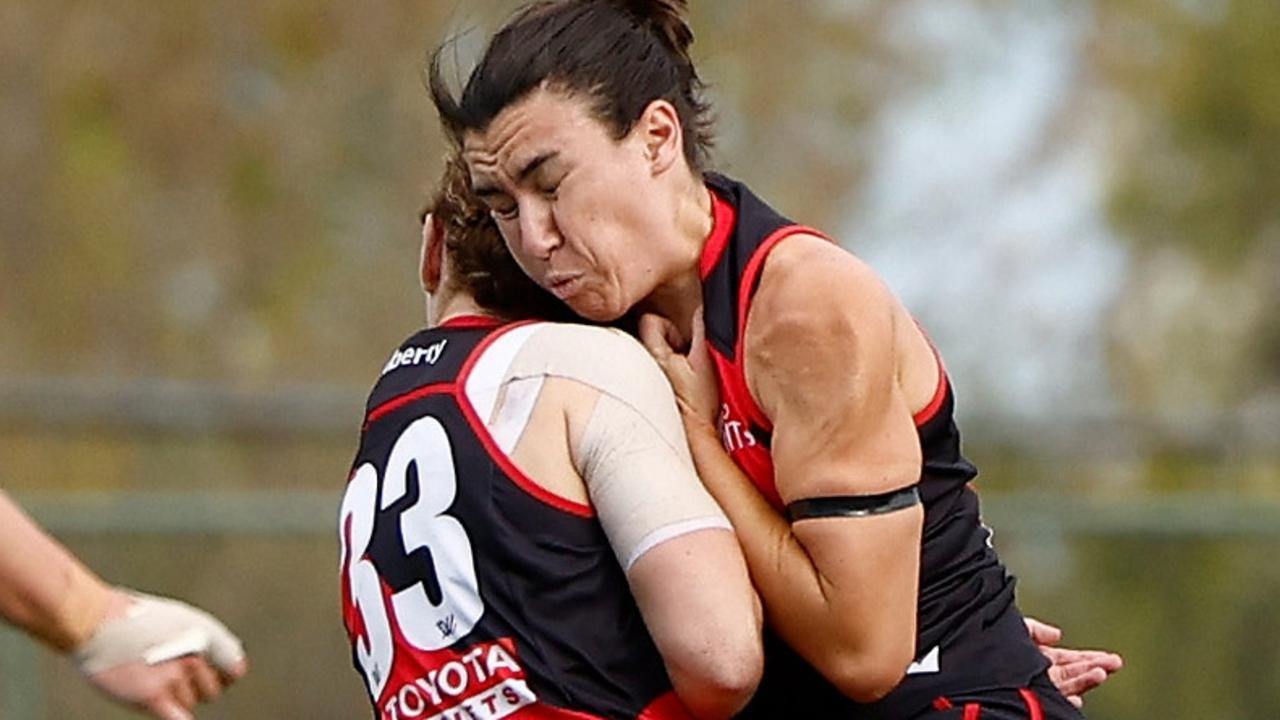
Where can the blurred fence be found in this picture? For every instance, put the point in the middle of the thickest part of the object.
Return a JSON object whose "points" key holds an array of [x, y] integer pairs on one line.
{"points": [[172, 407]]}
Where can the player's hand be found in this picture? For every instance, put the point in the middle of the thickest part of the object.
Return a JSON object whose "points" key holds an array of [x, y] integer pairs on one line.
{"points": [[160, 656], [1074, 672], [689, 370]]}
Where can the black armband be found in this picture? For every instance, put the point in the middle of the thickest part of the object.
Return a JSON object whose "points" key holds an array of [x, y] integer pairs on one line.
{"points": [[854, 505]]}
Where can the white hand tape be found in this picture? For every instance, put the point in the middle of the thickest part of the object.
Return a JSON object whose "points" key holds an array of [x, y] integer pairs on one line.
{"points": [[157, 630]]}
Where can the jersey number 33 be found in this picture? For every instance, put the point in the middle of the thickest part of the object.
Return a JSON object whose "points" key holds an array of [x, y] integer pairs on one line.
{"points": [[431, 577]]}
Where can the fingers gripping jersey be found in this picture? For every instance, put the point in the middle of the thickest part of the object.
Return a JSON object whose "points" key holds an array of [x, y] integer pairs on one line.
{"points": [[969, 634], [468, 592]]}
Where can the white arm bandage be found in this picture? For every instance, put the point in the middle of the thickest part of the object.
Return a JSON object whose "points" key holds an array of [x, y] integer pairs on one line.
{"points": [[155, 630], [633, 454]]}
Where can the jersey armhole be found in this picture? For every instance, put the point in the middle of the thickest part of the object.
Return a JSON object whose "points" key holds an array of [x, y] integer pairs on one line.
{"points": [[930, 411], [746, 293], [480, 426]]}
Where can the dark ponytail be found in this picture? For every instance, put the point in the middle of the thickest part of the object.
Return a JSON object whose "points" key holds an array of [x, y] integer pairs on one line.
{"points": [[667, 17], [620, 54]]}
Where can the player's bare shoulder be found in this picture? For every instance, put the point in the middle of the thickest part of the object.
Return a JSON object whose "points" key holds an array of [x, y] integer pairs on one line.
{"points": [[816, 297], [809, 280], [594, 339], [600, 360], [605, 358]]}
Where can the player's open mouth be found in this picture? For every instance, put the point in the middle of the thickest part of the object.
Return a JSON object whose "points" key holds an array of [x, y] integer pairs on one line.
{"points": [[564, 285]]}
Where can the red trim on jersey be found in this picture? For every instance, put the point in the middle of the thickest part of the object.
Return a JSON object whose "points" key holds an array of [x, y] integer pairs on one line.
{"points": [[746, 289], [939, 396], [472, 321], [1033, 704], [474, 358], [666, 707], [723, 217], [353, 619], [940, 393], [941, 703], [743, 446], [972, 711], [400, 401], [521, 480]]}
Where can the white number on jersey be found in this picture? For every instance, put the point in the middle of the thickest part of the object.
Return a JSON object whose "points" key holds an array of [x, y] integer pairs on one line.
{"points": [[426, 625]]}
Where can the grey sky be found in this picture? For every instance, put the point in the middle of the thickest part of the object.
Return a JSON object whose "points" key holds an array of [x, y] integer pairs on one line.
{"points": [[993, 234]]}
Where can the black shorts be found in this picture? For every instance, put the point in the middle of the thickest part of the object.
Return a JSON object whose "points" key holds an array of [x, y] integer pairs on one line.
{"points": [[1040, 701]]}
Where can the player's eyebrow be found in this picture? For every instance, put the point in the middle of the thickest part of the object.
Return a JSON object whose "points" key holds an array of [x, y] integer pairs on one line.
{"points": [[485, 190], [532, 166]]}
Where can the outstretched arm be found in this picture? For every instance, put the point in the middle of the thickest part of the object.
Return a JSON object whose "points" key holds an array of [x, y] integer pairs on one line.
{"points": [[156, 655]]}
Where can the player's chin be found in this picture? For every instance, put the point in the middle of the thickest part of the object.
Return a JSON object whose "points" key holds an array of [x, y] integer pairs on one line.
{"points": [[595, 307]]}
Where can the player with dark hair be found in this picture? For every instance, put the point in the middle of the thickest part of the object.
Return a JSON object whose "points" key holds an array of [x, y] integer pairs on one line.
{"points": [[516, 483], [820, 416]]}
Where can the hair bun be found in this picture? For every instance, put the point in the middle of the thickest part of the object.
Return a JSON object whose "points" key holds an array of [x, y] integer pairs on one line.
{"points": [[668, 17]]}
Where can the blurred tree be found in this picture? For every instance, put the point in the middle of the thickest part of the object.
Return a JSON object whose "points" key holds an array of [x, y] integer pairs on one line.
{"points": [[1197, 192]]}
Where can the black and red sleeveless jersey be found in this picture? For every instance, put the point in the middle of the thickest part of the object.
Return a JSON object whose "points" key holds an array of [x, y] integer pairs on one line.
{"points": [[468, 592], [970, 634]]}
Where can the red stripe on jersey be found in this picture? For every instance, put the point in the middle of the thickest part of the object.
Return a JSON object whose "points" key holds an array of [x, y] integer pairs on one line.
{"points": [[723, 217], [471, 321], [1033, 704], [939, 396], [400, 401], [745, 291], [666, 707], [928, 412], [972, 711], [470, 364], [522, 481], [352, 618], [752, 457]]}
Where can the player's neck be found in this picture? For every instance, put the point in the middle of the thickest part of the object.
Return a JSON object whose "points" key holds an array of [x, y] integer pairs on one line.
{"points": [[446, 304], [677, 300], [680, 294]]}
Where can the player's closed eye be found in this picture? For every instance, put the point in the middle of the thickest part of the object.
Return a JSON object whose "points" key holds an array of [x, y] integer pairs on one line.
{"points": [[505, 212], [550, 190]]}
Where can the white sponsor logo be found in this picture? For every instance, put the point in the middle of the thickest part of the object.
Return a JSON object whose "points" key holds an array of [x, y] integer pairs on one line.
{"points": [[415, 356], [734, 434], [463, 683]]}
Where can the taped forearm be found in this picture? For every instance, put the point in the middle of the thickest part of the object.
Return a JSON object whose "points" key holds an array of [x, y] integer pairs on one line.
{"points": [[629, 446], [644, 490], [43, 589]]}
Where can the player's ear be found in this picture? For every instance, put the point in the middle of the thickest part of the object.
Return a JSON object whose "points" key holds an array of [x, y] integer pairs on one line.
{"points": [[661, 135], [432, 257]]}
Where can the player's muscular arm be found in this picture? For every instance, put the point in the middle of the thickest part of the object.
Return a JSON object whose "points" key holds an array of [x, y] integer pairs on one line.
{"points": [[820, 361]]}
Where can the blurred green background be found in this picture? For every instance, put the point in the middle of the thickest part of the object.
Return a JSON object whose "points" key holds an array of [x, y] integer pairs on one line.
{"points": [[208, 242]]}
